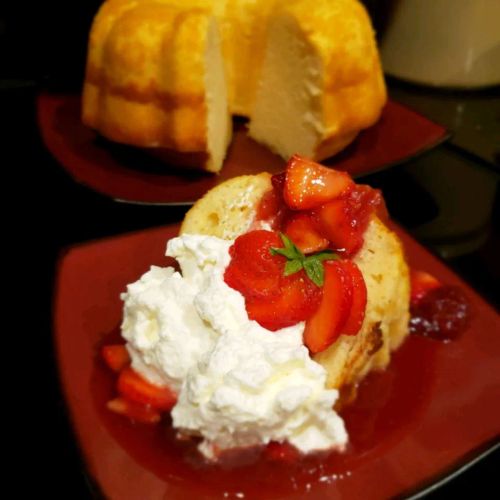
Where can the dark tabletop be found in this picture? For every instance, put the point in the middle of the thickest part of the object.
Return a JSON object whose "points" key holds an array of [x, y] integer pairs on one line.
{"points": [[448, 199]]}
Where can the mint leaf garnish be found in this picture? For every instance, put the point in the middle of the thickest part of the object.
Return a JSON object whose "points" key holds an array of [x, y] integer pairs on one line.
{"points": [[312, 264], [325, 255], [290, 251], [292, 267], [315, 272]]}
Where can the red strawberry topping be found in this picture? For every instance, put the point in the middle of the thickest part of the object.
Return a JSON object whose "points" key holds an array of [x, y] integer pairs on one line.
{"points": [[138, 390], [359, 298], [420, 284], [272, 299], [443, 313], [116, 356], [253, 271], [302, 229], [134, 411], [299, 297], [309, 184], [272, 208], [343, 221], [325, 325]]}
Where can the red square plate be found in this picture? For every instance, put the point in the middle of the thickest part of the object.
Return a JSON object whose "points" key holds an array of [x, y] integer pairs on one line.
{"points": [[127, 174], [435, 407]]}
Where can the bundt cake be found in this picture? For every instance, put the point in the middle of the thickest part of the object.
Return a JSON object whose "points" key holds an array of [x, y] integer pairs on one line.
{"points": [[166, 74], [230, 209]]}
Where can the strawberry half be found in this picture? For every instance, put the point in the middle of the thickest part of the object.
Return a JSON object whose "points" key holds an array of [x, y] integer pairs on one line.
{"points": [[420, 284], [302, 229], [309, 185], [116, 357], [134, 411], [138, 390], [323, 328]]}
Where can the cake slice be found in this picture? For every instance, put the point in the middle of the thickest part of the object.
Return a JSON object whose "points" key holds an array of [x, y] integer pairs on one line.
{"points": [[155, 78], [321, 81], [231, 209]]}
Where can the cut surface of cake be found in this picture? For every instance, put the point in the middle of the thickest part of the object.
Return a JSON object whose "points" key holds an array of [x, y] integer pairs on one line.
{"points": [[167, 74], [321, 81]]}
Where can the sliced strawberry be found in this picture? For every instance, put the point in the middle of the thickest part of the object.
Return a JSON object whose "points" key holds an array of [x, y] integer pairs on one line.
{"points": [[309, 185], [253, 248], [298, 299], [138, 390], [323, 328], [283, 452], [301, 228], [238, 277], [336, 222], [116, 357], [359, 297], [134, 411], [344, 220], [253, 270], [420, 284]]}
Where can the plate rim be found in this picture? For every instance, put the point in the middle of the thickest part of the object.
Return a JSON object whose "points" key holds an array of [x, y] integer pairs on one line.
{"points": [[432, 483]]}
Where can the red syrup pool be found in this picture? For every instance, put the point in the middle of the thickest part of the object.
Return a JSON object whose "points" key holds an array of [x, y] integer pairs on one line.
{"points": [[387, 408]]}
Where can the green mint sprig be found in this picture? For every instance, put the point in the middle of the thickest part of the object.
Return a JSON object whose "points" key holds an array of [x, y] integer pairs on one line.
{"points": [[312, 264]]}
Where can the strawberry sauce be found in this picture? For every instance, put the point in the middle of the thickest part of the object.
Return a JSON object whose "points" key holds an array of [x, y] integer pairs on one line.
{"points": [[389, 404], [388, 407], [443, 313]]}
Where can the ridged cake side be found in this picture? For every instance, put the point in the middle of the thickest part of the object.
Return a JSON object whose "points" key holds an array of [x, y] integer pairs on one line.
{"points": [[146, 79]]}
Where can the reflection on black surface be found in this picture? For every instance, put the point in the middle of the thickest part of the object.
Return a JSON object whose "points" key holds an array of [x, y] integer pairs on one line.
{"points": [[407, 201]]}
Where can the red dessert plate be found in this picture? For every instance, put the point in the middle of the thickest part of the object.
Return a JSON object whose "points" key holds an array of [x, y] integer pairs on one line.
{"points": [[127, 174], [435, 408]]}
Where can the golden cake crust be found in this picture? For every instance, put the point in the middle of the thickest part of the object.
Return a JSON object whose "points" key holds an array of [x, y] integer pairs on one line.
{"points": [[228, 209], [145, 75]]}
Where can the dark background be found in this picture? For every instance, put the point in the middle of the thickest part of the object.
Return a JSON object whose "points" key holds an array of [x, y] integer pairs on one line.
{"points": [[42, 46]]}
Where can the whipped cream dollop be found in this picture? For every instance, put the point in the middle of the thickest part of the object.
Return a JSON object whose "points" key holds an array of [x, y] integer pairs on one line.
{"points": [[238, 383]]}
